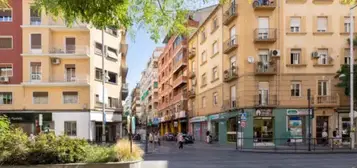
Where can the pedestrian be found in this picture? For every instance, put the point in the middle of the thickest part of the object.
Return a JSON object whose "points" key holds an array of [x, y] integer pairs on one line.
{"points": [[156, 139], [288, 134], [208, 137], [180, 140], [324, 137], [151, 138]]}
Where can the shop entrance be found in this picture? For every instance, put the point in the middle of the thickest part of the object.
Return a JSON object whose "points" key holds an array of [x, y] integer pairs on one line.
{"points": [[321, 125], [263, 127], [297, 125], [232, 129], [215, 130]]}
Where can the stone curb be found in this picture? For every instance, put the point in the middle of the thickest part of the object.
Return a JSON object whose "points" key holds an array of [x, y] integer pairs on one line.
{"points": [[298, 152]]}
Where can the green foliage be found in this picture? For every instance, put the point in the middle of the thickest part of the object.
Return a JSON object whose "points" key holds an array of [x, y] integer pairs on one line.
{"points": [[122, 148], [344, 76], [158, 17], [354, 41], [100, 154], [13, 144], [52, 149]]}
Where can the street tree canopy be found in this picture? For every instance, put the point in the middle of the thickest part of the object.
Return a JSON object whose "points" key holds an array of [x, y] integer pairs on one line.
{"points": [[158, 17]]}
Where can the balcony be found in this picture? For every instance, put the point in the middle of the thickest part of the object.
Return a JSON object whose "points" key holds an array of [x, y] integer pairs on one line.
{"points": [[230, 14], [264, 5], [180, 64], [230, 74], [325, 101], [124, 91], [69, 51], [267, 35], [265, 68], [180, 80], [124, 49], [180, 96], [191, 93], [77, 80], [266, 100], [230, 104], [230, 45], [192, 75], [192, 53], [56, 24]]}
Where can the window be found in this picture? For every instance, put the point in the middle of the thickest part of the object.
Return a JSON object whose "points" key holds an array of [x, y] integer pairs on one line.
{"points": [[203, 36], [36, 41], [215, 98], [323, 56], [36, 74], [5, 15], [112, 77], [98, 48], [5, 42], [215, 48], [5, 98], [204, 57], [70, 97], [347, 24], [40, 97], [347, 58], [70, 128], [214, 73], [296, 89], [112, 31], [35, 16], [214, 24], [193, 66], [232, 63], [70, 72], [203, 102], [98, 74], [204, 79], [112, 53], [233, 93], [322, 88], [295, 24], [321, 24], [177, 41], [6, 70], [295, 56]]}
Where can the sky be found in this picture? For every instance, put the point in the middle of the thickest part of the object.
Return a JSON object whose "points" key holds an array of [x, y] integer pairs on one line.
{"points": [[139, 52]]}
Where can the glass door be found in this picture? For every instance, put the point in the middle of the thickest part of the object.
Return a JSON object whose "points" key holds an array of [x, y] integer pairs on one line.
{"points": [[70, 74], [70, 45], [263, 97], [263, 25]]}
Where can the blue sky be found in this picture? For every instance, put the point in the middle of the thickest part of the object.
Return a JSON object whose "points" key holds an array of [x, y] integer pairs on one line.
{"points": [[140, 50]]}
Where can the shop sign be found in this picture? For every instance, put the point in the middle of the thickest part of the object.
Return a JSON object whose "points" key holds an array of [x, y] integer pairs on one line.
{"points": [[213, 117], [182, 114], [243, 117], [198, 119], [243, 124], [263, 112], [290, 112]]}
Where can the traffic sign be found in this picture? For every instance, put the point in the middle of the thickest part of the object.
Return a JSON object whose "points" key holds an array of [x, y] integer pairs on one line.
{"points": [[243, 124], [243, 116]]}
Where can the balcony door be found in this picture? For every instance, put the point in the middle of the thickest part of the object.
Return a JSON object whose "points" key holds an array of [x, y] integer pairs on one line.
{"points": [[36, 74], [70, 45], [264, 59], [232, 64], [322, 88], [232, 34], [70, 73], [263, 27], [263, 93], [35, 16], [233, 97]]}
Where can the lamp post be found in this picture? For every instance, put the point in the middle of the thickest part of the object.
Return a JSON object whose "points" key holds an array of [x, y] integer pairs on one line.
{"points": [[103, 90], [352, 135]]}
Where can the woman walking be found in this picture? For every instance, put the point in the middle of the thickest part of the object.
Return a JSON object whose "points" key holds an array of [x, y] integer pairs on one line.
{"points": [[180, 140]]}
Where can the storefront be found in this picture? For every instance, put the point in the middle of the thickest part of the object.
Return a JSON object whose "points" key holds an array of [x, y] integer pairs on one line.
{"points": [[297, 121], [199, 127], [113, 126], [263, 126], [223, 126], [30, 122], [344, 125]]}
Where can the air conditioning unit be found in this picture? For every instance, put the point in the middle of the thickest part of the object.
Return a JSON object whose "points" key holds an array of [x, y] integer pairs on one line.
{"points": [[4, 79], [275, 53], [315, 55], [56, 61]]}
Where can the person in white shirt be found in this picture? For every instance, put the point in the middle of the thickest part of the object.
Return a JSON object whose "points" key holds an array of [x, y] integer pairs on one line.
{"points": [[324, 137]]}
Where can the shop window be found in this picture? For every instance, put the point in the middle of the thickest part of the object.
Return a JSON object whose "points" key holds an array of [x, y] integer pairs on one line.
{"points": [[297, 128], [232, 129], [321, 126], [5, 98], [263, 126], [70, 128], [346, 129], [70, 97]]}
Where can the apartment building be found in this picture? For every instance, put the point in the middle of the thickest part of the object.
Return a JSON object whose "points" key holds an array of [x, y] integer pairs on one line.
{"points": [[149, 86], [61, 85], [265, 67], [136, 109]]}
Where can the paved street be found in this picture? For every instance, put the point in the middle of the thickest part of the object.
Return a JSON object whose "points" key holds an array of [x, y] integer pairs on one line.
{"points": [[208, 156]]}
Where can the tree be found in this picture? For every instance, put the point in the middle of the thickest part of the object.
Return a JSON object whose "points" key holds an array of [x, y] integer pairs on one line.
{"points": [[344, 76], [156, 16]]}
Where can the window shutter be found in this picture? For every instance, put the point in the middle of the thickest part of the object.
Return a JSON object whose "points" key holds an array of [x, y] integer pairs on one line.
{"points": [[342, 24], [303, 24], [295, 21], [329, 24], [288, 24], [303, 56]]}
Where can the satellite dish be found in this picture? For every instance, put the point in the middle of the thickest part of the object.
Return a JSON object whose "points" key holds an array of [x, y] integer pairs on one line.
{"points": [[250, 59]]}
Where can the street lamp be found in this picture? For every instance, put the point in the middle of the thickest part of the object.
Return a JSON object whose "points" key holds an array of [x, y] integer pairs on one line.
{"points": [[103, 90], [351, 78]]}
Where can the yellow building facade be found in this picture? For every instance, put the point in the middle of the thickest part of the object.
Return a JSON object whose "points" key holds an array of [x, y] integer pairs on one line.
{"points": [[269, 54]]}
